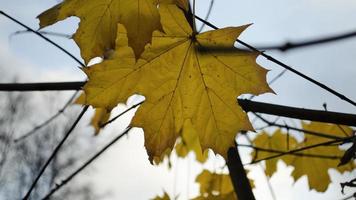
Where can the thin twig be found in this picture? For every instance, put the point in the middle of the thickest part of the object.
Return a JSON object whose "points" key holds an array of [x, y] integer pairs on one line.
{"points": [[310, 42], [207, 14], [341, 140], [272, 59], [43, 37], [293, 154], [63, 35], [86, 164], [49, 120], [314, 133], [27, 196], [119, 115]]}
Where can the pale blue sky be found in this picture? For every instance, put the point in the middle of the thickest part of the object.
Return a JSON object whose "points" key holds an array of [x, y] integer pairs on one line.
{"points": [[125, 169]]}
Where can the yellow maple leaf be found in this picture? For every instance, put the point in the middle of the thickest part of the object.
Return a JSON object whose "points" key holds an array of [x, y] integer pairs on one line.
{"points": [[316, 169], [188, 87], [98, 23], [278, 142]]}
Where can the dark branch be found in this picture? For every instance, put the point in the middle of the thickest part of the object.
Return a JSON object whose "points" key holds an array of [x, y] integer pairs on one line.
{"points": [[298, 113], [311, 42], [119, 115], [24, 87], [318, 134], [294, 154], [238, 176], [331, 142], [27, 196], [247, 105], [63, 35], [86, 164]]}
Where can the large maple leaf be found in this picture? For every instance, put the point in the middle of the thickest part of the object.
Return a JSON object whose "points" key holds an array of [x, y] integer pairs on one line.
{"points": [[98, 23], [188, 86]]}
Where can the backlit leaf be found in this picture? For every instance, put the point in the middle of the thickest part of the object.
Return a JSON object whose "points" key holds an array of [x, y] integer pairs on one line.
{"points": [[188, 86], [98, 23], [278, 141], [316, 169]]}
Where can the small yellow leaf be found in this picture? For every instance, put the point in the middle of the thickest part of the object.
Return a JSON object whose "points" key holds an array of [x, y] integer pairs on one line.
{"points": [[278, 141], [98, 23], [183, 80], [213, 185]]}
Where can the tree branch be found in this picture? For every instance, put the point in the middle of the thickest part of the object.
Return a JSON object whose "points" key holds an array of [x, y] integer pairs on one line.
{"points": [[247, 105], [293, 154], [327, 143], [26, 87], [318, 134], [238, 176], [27, 196], [310, 42], [298, 113], [49, 120], [86, 164]]}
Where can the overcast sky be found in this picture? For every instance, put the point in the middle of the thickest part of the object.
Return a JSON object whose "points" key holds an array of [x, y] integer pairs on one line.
{"points": [[124, 170]]}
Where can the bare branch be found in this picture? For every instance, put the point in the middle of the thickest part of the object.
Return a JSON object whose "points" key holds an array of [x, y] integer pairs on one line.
{"points": [[247, 105], [86, 164], [310, 42], [294, 154], [331, 142], [43, 37], [49, 120], [238, 176], [298, 113], [53, 86], [27, 196]]}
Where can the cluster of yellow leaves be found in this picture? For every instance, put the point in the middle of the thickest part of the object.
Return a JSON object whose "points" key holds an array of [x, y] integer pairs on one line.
{"points": [[190, 89], [214, 186], [315, 168]]}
